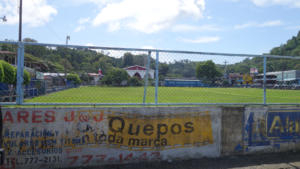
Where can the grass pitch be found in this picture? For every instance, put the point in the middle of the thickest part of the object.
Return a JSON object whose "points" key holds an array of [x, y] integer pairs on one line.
{"points": [[167, 95]]}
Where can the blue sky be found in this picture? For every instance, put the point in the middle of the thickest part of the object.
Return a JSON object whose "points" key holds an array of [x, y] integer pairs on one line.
{"points": [[233, 26]]}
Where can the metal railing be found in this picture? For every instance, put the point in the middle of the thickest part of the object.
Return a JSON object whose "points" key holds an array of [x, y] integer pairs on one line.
{"points": [[149, 52]]}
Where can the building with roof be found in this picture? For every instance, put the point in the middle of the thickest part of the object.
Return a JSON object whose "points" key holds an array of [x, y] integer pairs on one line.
{"points": [[139, 71], [286, 77]]}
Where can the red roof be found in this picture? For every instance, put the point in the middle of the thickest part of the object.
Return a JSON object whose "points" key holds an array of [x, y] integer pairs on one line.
{"points": [[93, 74], [136, 67]]}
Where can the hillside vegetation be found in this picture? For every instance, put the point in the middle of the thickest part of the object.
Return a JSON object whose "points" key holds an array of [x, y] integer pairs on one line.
{"points": [[82, 61], [290, 48]]}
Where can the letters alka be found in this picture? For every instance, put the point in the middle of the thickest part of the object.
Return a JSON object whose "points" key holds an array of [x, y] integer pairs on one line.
{"points": [[145, 135]]}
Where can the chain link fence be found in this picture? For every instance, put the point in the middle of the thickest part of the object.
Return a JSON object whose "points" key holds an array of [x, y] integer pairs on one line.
{"points": [[89, 75]]}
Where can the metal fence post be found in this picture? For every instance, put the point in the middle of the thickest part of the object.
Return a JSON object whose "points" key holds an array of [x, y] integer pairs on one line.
{"points": [[265, 80], [20, 71], [146, 77], [156, 77]]}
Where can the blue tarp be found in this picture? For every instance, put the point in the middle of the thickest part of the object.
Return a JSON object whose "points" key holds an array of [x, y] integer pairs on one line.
{"points": [[184, 83]]}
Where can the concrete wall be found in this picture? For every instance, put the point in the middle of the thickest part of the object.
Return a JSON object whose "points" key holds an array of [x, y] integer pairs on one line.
{"points": [[44, 137], [260, 129], [77, 137]]}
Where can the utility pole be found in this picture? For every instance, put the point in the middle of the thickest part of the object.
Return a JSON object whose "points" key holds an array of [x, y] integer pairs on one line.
{"points": [[20, 21], [225, 69], [67, 40], [20, 61]]}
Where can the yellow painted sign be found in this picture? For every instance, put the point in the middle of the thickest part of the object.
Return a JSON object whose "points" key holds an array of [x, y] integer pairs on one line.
{"points": [[189, 129]]}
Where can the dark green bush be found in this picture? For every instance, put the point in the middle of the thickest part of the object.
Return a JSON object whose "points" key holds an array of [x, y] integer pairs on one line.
{"points": [[135, 81], [73, 78], [115, 77]]}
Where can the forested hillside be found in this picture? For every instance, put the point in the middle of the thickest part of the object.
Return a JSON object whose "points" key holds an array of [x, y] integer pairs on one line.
{"points": [[75, 60], [82, 61], [290, 48]]}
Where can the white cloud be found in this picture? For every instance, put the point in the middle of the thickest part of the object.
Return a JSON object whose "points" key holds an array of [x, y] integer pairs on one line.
{"points": [[99, 3], [114, 26], [148, 47], [205, 39], [97, 50], [233, 0], [297, 27], [89, 44], [82, 22], [188, 28], [290, 3], [148, 16], [79, 28], [35, 12], [245, 25], [209, 17], [261, 25], [271, 23]]}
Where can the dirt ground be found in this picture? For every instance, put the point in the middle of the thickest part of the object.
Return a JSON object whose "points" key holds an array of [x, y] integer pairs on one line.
{"points": [[266, 161]]}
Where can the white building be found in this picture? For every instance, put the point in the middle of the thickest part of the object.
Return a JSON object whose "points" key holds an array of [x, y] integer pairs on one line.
{"points": [[139, 71]]}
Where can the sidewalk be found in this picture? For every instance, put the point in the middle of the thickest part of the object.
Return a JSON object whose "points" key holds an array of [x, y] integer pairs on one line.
{"points": [[266, 161]]}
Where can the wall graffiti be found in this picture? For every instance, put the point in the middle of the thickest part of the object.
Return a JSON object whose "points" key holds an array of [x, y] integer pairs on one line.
{"points": [[122, 157], [76, 137], [176, 131], [283, 125], [270, 128]]}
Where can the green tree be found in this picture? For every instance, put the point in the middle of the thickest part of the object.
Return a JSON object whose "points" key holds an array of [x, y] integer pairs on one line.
{"points": [[135, 81], [1, 73], [8, 47], [115, 77], [9, 73], [207, 71], [74, 78], [10, 77], [127, 59], [163, 69], [84, 77], [105, 63], [35, 50], [26, 77], [66, 64]]}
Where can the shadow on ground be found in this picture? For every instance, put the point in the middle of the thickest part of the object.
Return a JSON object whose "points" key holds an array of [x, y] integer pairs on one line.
{"points": [[267, 161]]}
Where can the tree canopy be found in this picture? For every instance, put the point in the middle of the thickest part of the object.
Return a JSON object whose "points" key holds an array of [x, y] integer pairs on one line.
{"points": [[83, 61], [290, 48], [115, 77], [74, 78], [207, 71], [8, 74]]}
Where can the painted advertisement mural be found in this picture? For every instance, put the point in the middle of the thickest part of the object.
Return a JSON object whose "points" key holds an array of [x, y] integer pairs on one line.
{"points": [[271, 129], [62, 138]]}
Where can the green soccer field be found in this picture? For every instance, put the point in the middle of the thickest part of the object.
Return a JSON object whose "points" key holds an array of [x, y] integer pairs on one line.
{"points": [[167, 95]]}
